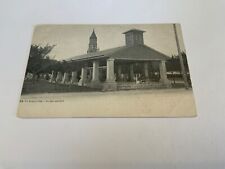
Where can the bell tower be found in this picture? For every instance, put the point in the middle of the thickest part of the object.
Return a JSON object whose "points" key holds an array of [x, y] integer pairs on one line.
{"points": [[92, 43]]}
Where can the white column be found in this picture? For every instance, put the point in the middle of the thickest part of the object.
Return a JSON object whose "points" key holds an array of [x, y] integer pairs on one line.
{"points": [[95, 71], [65, 78], [59, 77], [74, 77], [132, 72], [110, 83], [83, 76], [163, 71], [52, 77], [110, 77]]}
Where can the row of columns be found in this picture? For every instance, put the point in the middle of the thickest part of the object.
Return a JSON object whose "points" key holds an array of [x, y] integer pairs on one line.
{"points": [[110, 75], [146, 74], [110, 78], [95, 74], [64, 78], [162, 70]]}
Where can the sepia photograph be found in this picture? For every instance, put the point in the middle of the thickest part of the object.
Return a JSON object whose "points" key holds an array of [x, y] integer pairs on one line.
{"points": [[138, 70]]}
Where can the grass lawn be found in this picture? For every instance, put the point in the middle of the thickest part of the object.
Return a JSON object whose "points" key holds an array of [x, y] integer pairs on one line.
{"points": [[43, 86]]}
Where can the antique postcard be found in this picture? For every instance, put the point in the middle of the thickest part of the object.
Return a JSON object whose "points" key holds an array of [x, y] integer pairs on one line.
{"points": [[138, 70]]}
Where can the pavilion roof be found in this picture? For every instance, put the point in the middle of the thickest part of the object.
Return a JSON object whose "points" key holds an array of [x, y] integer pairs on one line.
{"points": [[139, 52], [134, 30]]}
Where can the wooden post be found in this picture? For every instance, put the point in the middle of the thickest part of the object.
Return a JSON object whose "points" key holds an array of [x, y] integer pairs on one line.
{"points": [[181, 58]]}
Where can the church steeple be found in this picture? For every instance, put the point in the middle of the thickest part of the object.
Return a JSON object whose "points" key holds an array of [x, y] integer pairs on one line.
{"points": [[92, 43]]}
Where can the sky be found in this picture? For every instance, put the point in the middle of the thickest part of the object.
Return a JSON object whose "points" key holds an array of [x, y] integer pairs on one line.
{"points": [[72, 40]]}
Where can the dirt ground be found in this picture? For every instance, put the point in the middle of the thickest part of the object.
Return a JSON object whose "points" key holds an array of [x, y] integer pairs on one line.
{"points": [[133, 103]]}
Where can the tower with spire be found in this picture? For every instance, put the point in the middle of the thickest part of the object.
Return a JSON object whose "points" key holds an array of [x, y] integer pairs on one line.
{"points": [[92, 43]]}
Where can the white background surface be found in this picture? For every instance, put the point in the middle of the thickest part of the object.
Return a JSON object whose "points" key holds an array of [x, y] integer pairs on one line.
{"points": [[156, 143]]}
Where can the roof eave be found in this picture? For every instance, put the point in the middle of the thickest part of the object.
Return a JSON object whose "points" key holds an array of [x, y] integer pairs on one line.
{"points": [[133, 30], [90, 58]]}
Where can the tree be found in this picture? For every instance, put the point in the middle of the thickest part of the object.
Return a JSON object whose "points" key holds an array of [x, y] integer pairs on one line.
{"points": [[39, 58], [173, 64]]}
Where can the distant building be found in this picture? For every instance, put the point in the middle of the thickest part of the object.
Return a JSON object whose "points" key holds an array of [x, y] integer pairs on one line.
{"points": [[132, 66]]}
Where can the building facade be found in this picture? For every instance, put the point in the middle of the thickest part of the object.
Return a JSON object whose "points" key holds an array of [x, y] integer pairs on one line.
{"points": [[132, 66]]}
